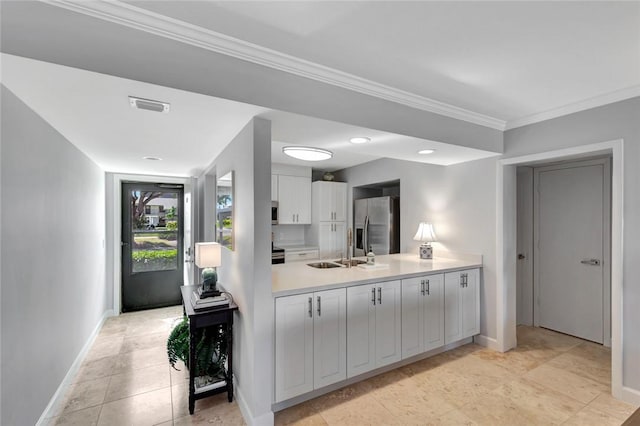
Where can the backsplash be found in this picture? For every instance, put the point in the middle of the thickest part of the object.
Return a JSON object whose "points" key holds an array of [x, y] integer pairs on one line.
{"points": [[288, 234]]}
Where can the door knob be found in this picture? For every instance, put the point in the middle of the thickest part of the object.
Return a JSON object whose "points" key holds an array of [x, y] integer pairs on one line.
{"points": [[520, 256]]}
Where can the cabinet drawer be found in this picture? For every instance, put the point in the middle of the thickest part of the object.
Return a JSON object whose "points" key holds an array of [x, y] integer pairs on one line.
{"points": [[300, 255]]}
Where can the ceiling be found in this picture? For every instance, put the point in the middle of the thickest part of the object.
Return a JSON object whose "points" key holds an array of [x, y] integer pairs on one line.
{"points": [[507, 60], [497, 64]]}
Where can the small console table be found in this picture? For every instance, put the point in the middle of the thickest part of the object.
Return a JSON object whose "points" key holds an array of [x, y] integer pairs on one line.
{"points": [[206, 318]]}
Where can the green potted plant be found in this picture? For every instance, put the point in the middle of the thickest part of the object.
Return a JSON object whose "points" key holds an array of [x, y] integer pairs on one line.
{"points": [[211, 351]]}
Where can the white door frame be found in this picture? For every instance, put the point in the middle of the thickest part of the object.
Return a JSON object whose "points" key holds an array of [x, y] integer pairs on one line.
{"points": [[114, 221], [506, 201], [605, 162]]}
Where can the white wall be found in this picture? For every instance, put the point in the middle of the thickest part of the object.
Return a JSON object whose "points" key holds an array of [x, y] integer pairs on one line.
{"points": [[53, 271], [459, 200], [246, 271], [620, 120]]}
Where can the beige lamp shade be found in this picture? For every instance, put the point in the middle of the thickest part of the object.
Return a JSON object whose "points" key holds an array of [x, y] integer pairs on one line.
{"points": [[208, 255], [425, 233]]}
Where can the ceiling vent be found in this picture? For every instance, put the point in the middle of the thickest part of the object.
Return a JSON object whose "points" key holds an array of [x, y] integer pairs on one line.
{"points": [[149, 104]]}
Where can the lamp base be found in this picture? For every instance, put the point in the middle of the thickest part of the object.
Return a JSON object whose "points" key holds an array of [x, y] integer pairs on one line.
{"points": [[426, 251], [208, 292]]}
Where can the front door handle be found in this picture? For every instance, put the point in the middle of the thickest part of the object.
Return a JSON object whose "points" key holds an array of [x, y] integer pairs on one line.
{"points": [[595, 262]]}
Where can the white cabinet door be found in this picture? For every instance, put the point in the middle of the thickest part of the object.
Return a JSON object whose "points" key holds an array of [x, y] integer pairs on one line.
{"points": [[329, 337], [323, 201], [412, 312], [340, 201], [433, 312], [294, 200], [287, 201], [294, 346], [452, 308], [361, 324], [274, 187], [339, 242], [303, 195], [332, 239], [470, 303], [388, 323], [462, 304]]}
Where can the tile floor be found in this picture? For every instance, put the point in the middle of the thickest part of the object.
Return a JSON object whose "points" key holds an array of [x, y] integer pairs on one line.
{"points": [[549, 379]]}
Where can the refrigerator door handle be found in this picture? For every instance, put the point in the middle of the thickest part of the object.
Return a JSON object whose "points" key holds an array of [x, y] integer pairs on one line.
{"points": [[366, 235]]}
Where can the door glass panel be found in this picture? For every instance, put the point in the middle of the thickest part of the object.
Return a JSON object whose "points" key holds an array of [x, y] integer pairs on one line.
{"points": [[154, 230]]}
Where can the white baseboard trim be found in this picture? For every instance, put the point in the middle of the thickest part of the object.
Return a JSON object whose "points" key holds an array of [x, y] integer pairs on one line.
{"points": [[487, 342], [630, 395], [264, 420], [57, 397]]}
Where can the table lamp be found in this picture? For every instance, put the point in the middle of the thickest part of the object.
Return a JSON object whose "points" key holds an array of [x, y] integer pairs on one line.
{"points": [[427, 236], [208, 257]]}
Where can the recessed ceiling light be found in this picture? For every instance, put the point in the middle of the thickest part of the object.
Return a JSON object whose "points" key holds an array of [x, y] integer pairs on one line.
{"points": [[307, 153], [427, 151], [152, 158], [149, 104], [359, 139]]}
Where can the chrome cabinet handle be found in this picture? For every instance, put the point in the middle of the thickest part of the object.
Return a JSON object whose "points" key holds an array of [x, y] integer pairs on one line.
{"points": [[319, 309], [380, 295], [373, 296], [422, 287], [427, 283], [463, 280], [310, 308]]}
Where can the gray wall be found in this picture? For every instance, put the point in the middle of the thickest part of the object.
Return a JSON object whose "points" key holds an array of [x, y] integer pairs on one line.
{"points": [[246, 271], [613, 121], [53, 271], [459, 200]]}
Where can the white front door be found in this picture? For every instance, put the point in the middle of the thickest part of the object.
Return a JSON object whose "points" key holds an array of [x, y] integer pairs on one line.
{"points": [[571, 209]]}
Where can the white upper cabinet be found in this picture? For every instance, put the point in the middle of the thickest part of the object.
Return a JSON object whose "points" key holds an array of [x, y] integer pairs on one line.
{"points": [[294, 200], [329, 201], [274, 187]]}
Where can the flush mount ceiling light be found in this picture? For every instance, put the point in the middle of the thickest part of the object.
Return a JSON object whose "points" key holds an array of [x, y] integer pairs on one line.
{"points": [[359, 139], [427, 151], [152, 158], [149, 104], [307, 153]]}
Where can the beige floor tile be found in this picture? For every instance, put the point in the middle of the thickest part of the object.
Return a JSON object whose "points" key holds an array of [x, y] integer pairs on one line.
{"points": [[593, 352], [594, 370], [179, 376], [529, 396], [547, 338], [146, 341], [403, 398], [85, 394], [301, 414], [105, 346], [142, 358], [84, 417], [96, 368], [453, 418], [341, 396], [138, 381], [149, 408], [216, 410], [577, 387], [150, 326], [517, 362], [591, 417], [360, 410], [613, 407]]}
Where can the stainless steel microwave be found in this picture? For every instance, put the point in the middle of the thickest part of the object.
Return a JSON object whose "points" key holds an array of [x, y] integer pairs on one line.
{"points": [[274, 212]]}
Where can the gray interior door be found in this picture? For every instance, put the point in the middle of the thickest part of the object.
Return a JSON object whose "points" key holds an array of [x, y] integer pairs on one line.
{"points": [[571, 223], [152, 245]]}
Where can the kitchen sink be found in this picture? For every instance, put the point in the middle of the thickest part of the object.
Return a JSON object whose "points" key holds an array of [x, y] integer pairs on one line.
{"points": [[354, 262], [324, 265]]}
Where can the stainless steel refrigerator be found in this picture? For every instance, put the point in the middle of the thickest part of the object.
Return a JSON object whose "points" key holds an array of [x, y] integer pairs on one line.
{"points": [[377, 225]]}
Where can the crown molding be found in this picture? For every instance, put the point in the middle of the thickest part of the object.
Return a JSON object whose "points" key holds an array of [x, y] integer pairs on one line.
{"points": [[607, 98], [184, 32]]}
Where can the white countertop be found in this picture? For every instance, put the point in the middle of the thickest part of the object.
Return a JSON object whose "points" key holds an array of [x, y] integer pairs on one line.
{"points": [[296, 247], [298, 277]]}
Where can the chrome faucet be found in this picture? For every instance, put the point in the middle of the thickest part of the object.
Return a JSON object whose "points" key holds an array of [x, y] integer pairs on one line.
{"points": [[349, 245]]}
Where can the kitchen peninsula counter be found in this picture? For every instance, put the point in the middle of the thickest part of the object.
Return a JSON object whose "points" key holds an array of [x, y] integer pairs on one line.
{"points": [[298, 277]]}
